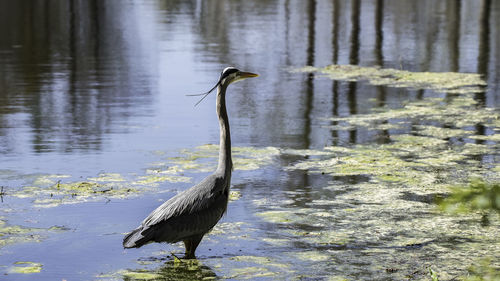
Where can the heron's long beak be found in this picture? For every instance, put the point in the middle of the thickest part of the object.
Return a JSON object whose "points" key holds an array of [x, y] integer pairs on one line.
{"points": [[248, 74]]}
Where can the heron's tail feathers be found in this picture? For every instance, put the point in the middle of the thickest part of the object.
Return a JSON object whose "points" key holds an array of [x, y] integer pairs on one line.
{"points": [[135, 239]]}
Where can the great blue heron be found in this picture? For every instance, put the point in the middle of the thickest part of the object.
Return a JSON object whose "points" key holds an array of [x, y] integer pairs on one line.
{"points": [[192, 213]]}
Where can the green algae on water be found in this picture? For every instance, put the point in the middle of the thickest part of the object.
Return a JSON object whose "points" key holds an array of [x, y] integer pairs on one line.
{"points": [[108, 177], [441, 133], [251, 272], [140, 275], [453, 117], [204, 158], [26, 267], [451, 82], [384, 202], [155, 180], [14, 234], [313, 256], [251, 267], [234, 195], [73, 192], [228, 228], [52, 190]]}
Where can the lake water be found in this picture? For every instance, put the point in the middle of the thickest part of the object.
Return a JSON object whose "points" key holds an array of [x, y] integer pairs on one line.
{"points": [[96, 92]]}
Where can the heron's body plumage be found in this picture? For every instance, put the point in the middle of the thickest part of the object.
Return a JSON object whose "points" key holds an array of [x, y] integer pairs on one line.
{"points": [[192, 212]]}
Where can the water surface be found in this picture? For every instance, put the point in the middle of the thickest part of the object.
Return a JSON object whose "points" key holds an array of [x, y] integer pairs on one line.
{"points": [[92, 88]]}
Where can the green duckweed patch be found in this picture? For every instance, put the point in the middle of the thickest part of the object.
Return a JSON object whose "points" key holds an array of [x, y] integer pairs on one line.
{"points": [[251, 272], [276, 216], [377, 215], [314, 256], [108, 177], [441, 133], [455, 119], [451, 82], [251, 267], [52, 190], [454, 113], [228, 228], [73, 192], [26, 267], [127, 274], [234, 195], [375, 226], [140, 275], [204, 158], [14, 234]]}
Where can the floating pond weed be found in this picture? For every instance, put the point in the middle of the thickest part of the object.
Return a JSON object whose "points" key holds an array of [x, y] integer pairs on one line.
{"points": [[14, 234], [204, 158], [382, 196], [451, 82], [54, 190], [26, 267], [108, 177]]}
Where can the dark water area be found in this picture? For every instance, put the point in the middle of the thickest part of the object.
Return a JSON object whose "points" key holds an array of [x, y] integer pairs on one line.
{"points": [[99, 87]]}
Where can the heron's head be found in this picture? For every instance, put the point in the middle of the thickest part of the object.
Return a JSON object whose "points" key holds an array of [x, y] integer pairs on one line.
{"points": [[231, 74]]}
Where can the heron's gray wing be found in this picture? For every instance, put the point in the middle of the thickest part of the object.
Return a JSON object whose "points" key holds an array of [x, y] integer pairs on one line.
{"points": [[188, 213], [188, 201], [187, 225]]}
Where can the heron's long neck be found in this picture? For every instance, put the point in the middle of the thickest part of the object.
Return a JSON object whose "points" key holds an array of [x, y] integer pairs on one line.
{"points": [[225, 162]]}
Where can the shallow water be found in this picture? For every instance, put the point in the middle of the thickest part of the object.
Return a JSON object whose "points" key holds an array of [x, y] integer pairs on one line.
{"points": [[334, 179]]}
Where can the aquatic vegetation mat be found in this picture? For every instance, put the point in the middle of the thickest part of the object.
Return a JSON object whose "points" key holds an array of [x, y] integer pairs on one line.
{"points": [[26, 267], [451, 82], [369, 210], [477, 196], [234, 268], [54, 190], [14, 234], [204, 158]]}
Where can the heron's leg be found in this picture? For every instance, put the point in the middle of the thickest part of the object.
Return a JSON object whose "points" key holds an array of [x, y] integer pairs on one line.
{"points": [[191, 246], [187, 245]]}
